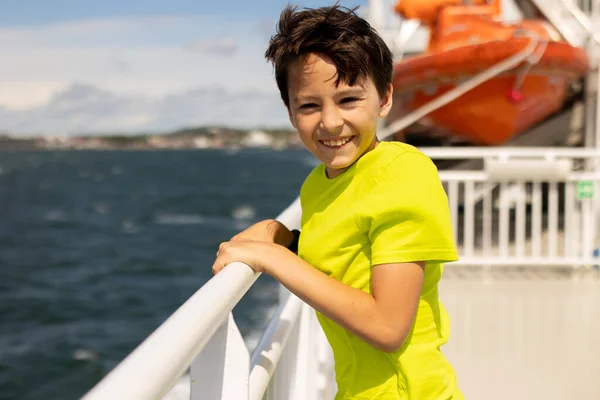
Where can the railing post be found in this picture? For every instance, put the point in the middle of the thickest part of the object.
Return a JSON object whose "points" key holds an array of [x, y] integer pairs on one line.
{"points": [[221, 370]]}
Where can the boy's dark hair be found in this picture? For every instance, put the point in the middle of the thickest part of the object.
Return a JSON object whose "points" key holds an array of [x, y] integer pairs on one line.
{"points": [[337, 32]]}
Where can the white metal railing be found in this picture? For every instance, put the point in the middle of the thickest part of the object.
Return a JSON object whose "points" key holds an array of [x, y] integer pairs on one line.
{"points": [[498, 212], [202, 334]]}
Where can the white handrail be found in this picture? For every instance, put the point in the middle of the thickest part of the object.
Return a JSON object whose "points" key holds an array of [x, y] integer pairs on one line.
{"points": [[449, 153], [154, 366]]}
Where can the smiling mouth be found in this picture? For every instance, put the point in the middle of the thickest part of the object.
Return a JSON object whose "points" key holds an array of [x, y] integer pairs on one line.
{"points": [[337, 143]]}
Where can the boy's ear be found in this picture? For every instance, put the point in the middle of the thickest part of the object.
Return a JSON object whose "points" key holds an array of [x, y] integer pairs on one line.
{"points": [[386, 102]]}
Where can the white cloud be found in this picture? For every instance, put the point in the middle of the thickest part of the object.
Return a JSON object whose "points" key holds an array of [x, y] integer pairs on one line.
{"points": [[221, 46], [85, 109], [140, 64]]}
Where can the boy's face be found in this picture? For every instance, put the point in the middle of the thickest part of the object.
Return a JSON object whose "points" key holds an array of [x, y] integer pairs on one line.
{"points": [[337, 124]]}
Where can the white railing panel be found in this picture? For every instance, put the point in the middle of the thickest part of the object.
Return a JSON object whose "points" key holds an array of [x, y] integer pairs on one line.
{"points": [[221, 370], [504, 215]]}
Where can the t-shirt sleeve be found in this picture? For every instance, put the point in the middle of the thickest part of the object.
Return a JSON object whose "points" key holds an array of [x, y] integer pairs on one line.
{"points": [[409, 215]]}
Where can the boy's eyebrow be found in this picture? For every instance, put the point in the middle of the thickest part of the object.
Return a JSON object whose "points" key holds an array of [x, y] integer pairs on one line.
{"points": [[355, 91], [303, 99]]}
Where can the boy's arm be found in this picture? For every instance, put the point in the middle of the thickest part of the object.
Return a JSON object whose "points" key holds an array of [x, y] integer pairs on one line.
{"points": [[269, 230], [382, 318]]}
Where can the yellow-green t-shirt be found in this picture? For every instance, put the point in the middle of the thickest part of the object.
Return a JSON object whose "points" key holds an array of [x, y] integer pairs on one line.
{"points": [[388, 207]]}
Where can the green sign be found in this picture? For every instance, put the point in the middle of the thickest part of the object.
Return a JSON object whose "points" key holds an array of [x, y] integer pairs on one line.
{"points": [[585, 190]]}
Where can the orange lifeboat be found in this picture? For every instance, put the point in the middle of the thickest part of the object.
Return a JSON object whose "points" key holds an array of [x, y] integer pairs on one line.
{"points": [[466, 40]]}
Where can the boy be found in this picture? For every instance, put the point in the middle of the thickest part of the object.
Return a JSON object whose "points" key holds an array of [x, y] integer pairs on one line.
{"points": [[375, 218]]}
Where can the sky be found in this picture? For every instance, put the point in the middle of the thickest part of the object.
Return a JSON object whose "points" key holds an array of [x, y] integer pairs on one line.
{"points": [[73, 67]]}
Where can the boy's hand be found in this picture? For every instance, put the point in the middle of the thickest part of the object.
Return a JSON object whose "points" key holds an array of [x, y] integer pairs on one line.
{"points": [[269, 230], [261, 256]]}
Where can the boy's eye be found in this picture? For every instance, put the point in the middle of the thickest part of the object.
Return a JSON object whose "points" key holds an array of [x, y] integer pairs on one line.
{"points": [[349, 99], [308, 106]]}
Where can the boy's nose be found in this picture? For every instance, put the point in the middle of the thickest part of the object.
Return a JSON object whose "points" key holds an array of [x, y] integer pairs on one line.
{"points": [[331, 120]]}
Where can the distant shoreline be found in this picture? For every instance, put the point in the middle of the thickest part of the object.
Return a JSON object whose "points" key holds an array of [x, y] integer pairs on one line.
{"points": [[194, 138]]}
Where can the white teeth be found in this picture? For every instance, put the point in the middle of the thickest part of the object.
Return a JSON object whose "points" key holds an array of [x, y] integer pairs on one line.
{"points": [[335, 143]]}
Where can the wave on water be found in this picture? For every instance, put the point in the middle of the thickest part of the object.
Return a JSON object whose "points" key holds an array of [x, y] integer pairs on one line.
{"points": [[55, 216], [179, 219], [100, 208], [84, 355], [243, 212], [240, 215], [129, 226]]}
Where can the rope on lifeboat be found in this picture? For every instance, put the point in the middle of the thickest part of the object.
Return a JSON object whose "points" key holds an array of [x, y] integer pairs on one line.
{"points": [[515, 93]]}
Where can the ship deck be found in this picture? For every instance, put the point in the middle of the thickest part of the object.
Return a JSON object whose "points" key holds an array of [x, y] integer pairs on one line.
{"points": [[524, 333]]}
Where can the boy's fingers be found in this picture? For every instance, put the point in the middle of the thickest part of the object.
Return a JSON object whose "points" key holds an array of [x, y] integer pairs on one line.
{"points": [[217, 267]]}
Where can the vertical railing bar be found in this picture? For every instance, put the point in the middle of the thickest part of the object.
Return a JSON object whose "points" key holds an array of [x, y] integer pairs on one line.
{"points": [[536, 219], [552, 218], [569, 214], [588, 228], [504, 204], [520, 221], [453, 188], [577, 224], [597, 213], [487, 218], [469, 219]]}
